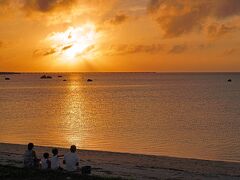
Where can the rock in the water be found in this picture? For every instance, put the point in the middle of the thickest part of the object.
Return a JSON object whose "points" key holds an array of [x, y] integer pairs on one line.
{"points": [[43, 77], [46, 77]]}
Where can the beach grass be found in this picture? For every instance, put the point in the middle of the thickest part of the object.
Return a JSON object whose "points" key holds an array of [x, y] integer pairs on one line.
{"points": [[13, 173]]}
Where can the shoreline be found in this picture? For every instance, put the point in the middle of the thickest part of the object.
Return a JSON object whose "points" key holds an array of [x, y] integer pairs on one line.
{"points": [[133, 166], [127, 153]]}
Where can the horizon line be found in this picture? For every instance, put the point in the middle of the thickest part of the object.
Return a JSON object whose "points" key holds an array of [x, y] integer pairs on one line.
{"points": [[52, 72]]}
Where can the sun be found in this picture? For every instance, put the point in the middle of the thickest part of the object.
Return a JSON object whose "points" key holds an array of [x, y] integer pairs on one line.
{"points": [[75, 43]]}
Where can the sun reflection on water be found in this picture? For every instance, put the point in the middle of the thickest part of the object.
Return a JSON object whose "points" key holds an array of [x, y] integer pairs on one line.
{"points": [[74, 118]]}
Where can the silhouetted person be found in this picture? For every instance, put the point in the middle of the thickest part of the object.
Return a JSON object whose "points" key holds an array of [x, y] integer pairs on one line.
{"points": [[30, 158], [55, 164], [46, 164], [71, 159]]}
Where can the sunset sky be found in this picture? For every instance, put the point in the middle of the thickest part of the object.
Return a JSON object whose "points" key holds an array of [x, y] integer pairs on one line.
{"points": [[119, 35]]}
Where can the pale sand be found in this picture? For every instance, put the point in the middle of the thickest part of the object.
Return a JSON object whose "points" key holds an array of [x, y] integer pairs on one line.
{"points": [[133, 166]]}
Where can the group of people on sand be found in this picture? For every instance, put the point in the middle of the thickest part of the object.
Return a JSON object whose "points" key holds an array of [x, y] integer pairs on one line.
{"points": [[71, 159]]}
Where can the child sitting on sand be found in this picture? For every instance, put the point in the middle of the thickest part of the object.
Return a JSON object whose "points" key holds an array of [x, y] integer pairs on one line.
{"points": [[55, 164], [46, 163], [30, 157]]}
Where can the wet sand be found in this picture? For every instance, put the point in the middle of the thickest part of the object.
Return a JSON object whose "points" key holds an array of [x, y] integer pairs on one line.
{"points": [[133, 166]]}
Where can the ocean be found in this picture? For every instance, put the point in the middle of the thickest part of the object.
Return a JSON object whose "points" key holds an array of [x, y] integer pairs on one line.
{"points": [[193, 115]]}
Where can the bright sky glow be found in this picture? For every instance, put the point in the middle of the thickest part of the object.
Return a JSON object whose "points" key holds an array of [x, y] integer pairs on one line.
{"points": [[74, 42], [120, 35]]}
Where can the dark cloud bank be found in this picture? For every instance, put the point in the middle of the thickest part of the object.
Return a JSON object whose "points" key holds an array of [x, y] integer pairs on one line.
{"points": [[46, 5], [118, 19], [177, 17]]}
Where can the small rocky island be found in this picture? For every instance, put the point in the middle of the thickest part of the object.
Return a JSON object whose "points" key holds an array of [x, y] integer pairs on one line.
{"points": [[46, 77]]}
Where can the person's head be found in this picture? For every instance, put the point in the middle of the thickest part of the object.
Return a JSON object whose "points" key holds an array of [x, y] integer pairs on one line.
{"points": [[55, 151], [45, 155], [73, 148], [30, 146]]}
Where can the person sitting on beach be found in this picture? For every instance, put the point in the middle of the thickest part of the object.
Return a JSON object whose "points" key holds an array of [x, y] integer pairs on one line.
{"points": [[46, 164], [55, 164], [71, 159], [30, 157]]}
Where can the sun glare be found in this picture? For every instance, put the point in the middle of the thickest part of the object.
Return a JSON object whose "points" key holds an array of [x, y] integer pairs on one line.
{"points": [[75, 43]]}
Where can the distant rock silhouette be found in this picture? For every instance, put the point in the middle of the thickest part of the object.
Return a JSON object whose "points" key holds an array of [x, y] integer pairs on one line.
{"points": [[59, 76], [43, 77], [229, 80], [7, 79], [89, 80], [6, 73], [64, 80], [46, 77]]}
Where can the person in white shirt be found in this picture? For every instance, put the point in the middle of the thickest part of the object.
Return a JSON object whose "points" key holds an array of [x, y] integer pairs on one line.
{"points": [[71, 159], [46, 164], [55, 164]]}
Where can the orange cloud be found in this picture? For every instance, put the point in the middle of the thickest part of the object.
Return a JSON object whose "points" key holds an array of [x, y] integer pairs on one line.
{"points": [[177, 49], [226, 8], [123, 49], [55, 9], [154, 5], [66, 47], [46, 5], [117, 19], [44, 52], [231, 51], [218, 30], [178, 17], [4, 2]]}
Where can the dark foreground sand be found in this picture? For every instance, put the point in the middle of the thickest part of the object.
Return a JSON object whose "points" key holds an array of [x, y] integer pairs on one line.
{"points": [[133, 166], [18, 173]]}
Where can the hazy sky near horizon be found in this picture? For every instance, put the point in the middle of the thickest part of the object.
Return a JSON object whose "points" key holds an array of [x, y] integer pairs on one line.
{"points": [[119, 35]]}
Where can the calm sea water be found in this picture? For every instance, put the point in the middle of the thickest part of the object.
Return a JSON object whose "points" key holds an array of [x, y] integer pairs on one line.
{"points": [[183, 115]]}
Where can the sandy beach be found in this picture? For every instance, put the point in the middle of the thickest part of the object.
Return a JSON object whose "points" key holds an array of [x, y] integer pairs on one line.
{"points": [[134, 166]]}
